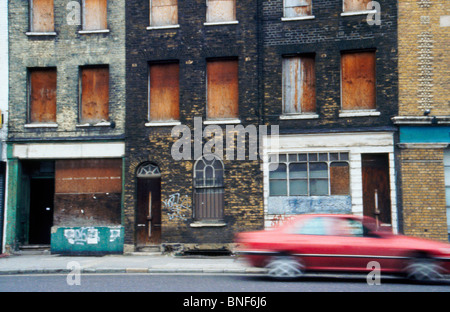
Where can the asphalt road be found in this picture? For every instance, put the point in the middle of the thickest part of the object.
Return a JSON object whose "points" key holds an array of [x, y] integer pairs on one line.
{"points": [[204, 283]]}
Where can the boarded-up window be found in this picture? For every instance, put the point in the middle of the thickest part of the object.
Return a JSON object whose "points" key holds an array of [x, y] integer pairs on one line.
{"points": [[42, 16], [358, 80], [220, 11], [163, 12], [297, 8], [299, 85], [88, 192], [339, 178], [95, 14], [223, 90], [94, 94], [355, 5], [164, 92], [42, 95]]}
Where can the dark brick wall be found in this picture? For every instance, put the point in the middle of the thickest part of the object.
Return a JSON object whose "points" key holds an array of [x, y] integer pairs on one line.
{"points": [[327, 35], [191, 45]]}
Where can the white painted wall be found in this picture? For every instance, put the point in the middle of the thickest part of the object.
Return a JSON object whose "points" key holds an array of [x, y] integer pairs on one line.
{"points": [[353, 143], [4, 85]]}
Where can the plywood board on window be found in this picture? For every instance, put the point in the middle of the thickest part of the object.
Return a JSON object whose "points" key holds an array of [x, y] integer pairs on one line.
{"points": [[221, 11], [296, 8], [163, 12], [43, 95], [339, 178], [42, 18], [95, 14], [164, 92], [81, 176], [299, 85], [94, 94], [355, 5], [358, 80], [223, 89]]}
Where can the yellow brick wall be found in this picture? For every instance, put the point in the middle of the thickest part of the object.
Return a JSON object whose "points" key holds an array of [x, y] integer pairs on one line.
{"points": [[423, 198], [424, 58]]}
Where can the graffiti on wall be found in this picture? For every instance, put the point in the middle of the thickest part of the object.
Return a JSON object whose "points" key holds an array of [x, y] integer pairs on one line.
{"points": [[89, 235], [177, 206]]}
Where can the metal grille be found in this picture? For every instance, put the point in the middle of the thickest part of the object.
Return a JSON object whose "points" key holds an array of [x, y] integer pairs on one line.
{"points": [[209, 189]]}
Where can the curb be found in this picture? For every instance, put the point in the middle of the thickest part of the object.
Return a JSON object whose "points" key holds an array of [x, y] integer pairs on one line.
{"points": [[251, 271]]}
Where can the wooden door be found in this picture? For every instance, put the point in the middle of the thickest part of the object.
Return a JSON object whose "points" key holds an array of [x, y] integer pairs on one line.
{"points": [[148, 217], [376, 187], [42, 192]]}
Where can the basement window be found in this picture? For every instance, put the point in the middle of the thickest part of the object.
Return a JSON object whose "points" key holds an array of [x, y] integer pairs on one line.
{"points": [[42, 96], [94, 94]]}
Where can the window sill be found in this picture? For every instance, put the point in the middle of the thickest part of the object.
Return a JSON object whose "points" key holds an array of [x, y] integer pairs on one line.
{"points": [[36, 33], [221, 121], [198, 224], [87, 32], [359, 113], [162, 123], [41, 125], [298, 18], [220, 23], [98, 124], [365, 12], [298, 116], [163, 27]]}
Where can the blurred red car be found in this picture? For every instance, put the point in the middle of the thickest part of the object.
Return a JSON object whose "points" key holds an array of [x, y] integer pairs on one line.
{"points": [[348, 243]]}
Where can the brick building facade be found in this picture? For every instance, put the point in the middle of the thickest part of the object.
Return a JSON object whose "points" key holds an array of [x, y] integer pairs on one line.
{"points": [[330, 83], [66, 125], [192, 65], [424, 117]]}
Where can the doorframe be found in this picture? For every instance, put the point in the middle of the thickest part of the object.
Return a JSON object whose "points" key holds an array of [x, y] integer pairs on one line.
{"points": [[146, 170]]}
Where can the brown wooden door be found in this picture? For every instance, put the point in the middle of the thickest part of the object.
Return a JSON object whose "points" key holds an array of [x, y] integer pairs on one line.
{"points": [[148, 218], [376, 189]]}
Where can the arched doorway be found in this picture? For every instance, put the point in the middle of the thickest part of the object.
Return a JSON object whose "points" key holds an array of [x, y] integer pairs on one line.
{"points": [[148, 210]]}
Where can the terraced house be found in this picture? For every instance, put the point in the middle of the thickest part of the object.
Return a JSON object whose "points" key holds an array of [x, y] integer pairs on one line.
{"points": [[424, 117], [330, 83], [191, 65], [67, 124]]}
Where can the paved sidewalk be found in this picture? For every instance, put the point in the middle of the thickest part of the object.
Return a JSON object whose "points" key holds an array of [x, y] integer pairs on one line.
{"points": [[48, 264]]}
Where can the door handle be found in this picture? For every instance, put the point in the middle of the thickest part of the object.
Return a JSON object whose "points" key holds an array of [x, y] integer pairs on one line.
{"points": [[141, 224]]}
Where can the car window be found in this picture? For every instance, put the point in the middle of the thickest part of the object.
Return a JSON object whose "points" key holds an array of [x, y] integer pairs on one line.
{"points": [[346, 227], [313, 226]]}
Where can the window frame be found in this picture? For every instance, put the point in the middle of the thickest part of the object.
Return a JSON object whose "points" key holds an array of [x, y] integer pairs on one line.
{"points": [[301, 59], [287, 160], [32, 31], [84, 30], [99, 122], [151, 26], [358, 111], [216, 188], [298, 17], [152, 122], [30, 123], [222, 22]]}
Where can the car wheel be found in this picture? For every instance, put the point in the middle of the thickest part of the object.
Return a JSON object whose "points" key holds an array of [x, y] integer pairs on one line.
{"points": [[423, 269], [284, 268]]}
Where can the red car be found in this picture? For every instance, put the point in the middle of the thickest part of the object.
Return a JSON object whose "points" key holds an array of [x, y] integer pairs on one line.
{"points": [[348, 243]]}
